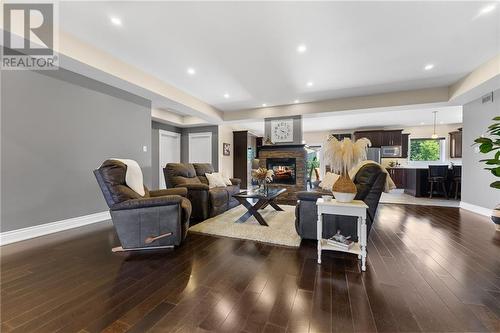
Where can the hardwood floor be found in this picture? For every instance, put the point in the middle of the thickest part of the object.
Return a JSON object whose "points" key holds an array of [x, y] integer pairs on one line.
{"points": [[429, 269]]}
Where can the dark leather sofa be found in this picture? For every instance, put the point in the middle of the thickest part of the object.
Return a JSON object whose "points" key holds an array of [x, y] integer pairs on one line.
{"points": [[137, 217], [370, 182], [207, 202]]}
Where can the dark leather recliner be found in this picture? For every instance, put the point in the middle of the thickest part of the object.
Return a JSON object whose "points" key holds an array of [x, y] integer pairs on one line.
{"points": [[207, 202], [370, 182], [143, 221]]}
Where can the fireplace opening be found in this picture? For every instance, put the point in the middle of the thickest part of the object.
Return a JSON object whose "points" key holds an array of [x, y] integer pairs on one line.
{"points": [[284, 170]]}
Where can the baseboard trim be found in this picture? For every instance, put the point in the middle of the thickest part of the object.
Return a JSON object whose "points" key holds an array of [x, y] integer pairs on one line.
{"points": [[475, 209], [18, 235]]}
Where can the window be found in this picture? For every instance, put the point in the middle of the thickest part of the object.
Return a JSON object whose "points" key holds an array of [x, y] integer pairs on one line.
{"points": [[426, 149]]}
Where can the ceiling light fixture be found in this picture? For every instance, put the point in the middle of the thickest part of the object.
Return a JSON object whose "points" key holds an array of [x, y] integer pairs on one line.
{"points": [[116, 21], [264, 105], [226, 95], [191, 71], [296, 101], [301, 48], [428, 67], [310, 84], [486, 9], [434, 134]]}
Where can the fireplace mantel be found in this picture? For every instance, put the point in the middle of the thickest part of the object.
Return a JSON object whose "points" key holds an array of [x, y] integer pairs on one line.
{"points": [[280, 147]]}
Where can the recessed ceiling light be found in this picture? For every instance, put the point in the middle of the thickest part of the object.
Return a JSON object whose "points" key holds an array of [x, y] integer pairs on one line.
{"points": [[264, 105], [296, 101], [428, 67], [310, 84], [191, 71], [301, 48], [226, 95], [486, 9], [116, 20]]}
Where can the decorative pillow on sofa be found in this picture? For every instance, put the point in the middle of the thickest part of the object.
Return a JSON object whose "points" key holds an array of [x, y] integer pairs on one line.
{"points": [[226, 180], [328, 181], [215, 180]]}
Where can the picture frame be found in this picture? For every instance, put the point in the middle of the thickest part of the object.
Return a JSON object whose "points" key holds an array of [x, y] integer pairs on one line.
{"points": [[226, 149]]}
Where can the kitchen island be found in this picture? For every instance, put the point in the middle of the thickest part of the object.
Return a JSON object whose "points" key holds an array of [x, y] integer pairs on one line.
{"points": [[414, 180]]}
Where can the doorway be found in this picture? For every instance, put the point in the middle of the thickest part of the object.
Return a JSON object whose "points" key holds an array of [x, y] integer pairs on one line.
{"points": [[170, 151]]}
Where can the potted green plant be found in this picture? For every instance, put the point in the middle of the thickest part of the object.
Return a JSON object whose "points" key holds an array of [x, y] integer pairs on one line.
{"points": [[490, 144]]}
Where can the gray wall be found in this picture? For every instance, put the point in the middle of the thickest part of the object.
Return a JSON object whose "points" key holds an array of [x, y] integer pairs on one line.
{"points": [[475, 180], [56, 127], [297, 129], [155, 149]]}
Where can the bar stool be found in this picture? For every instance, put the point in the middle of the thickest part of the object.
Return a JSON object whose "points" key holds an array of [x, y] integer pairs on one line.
{"points": [[456, 180], [438, 175]]}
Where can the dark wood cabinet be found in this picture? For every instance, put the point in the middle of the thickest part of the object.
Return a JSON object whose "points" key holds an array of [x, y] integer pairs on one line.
{"points": [[244, 151], [398, 175], [456, 144], [341, 136], [405, 145], [392, 138], [381, 138], [375, 137]]}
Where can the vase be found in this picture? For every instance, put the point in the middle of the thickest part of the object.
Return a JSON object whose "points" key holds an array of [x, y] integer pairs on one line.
{"points": [[344, 188], [495, 216]]}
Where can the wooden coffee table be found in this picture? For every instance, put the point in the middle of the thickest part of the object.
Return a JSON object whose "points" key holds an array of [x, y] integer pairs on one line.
{"points": [[264, 198]]}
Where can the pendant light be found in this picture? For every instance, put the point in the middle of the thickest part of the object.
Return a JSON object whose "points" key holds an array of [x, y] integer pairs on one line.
{"points": [[434, 134]]}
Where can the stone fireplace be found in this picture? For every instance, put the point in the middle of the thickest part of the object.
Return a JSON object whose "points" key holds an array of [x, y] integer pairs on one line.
{"points": [[290, 168]]}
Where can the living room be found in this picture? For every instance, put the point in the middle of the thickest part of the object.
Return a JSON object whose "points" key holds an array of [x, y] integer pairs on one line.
{"points": [[250, 167]]}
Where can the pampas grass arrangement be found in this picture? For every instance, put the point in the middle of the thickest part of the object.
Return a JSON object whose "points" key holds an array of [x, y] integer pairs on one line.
{"points": [[342, 156]]}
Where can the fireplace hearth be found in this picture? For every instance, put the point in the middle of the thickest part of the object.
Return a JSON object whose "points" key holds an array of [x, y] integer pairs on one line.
{"points": [[284, 170]]}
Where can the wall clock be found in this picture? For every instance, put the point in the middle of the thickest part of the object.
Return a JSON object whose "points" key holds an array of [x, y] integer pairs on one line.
{"points": [[282, 130]]}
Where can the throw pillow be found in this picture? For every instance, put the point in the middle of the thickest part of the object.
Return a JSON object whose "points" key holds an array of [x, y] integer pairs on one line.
{"points": [[215, 180], [133, 176], [328, 181], [226, 180]]}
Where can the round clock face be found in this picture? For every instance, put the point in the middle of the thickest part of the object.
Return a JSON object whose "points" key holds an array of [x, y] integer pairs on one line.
{"points": [[282, 131]]}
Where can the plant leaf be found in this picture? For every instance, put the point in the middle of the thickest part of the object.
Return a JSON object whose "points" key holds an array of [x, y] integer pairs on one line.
{"points": [[496, 184], [483, 140]]}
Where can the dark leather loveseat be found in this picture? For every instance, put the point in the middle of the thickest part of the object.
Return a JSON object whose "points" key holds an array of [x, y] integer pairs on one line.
{"points": [[370, 182], [143, 221], [207, 202]]}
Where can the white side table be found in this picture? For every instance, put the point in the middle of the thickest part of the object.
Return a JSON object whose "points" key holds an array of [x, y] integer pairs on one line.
{"points": [[355, 208]]}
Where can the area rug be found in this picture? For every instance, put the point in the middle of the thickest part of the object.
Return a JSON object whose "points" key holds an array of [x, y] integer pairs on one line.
{"points": [[281, 229]]}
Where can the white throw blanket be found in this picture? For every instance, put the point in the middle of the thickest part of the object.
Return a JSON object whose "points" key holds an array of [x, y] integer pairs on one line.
{"points": [[133, 177], [389, 183]]}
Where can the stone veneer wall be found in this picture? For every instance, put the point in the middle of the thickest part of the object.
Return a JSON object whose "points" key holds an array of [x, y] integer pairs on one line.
{"points": [[300, 155]]}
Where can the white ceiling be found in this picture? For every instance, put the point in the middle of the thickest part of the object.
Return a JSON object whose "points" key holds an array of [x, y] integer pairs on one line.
{"points": [[248, 49], [350, 120]]}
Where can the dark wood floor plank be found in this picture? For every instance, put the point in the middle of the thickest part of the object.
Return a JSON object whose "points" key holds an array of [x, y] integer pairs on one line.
{"points": [[429, 269], [342, 318]]}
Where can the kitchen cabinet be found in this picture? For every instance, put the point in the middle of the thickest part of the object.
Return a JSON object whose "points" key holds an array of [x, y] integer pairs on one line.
{"points": [[404, 145], [398, 176], [341, 136], [375, 137], [392, 138], [456, 144]]}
